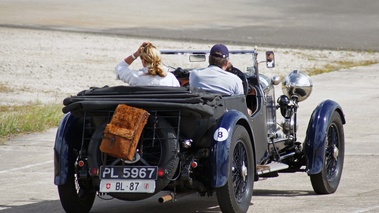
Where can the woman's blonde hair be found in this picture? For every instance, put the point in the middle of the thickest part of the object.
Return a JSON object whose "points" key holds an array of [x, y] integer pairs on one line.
{"points": [[152, 57]]}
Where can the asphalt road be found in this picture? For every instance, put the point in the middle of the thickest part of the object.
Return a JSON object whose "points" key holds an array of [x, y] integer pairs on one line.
{"points": [[337, 24], [26, 168]]}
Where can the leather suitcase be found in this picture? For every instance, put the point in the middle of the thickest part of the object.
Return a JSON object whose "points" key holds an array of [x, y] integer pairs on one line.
{"points": [[122, 134]]}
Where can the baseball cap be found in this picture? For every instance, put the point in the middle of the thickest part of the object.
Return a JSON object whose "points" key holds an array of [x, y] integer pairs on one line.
{"points": [[220, 50]]}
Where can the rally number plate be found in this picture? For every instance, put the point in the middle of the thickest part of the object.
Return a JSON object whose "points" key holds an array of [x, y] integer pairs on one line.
{"points": [[130, 186]]}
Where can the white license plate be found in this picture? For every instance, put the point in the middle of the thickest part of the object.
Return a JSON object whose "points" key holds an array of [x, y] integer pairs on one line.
{"points": [[130, 186], [129, 172]]}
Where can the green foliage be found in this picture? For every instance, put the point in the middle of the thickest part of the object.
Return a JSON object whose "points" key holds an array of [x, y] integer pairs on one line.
{"points": [[15, 120]]}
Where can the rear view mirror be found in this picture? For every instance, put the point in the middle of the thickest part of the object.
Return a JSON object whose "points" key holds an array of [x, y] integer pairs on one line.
{"points": [[197, 58], [270, 59]]}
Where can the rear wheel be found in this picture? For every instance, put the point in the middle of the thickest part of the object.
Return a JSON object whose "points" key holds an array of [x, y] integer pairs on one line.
{"points": [[327, 181], [76, 195], [235, 195]]}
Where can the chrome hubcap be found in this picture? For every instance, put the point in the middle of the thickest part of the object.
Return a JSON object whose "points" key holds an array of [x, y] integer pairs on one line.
{"points": [[335, 152], [243, 171]]}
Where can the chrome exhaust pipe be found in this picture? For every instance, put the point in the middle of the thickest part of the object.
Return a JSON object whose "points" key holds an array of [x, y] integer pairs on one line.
{"points": [[166, 198]]}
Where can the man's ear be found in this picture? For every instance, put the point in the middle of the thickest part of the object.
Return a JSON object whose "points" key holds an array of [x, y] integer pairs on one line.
{"points": [[227, 65], [230, 64]]}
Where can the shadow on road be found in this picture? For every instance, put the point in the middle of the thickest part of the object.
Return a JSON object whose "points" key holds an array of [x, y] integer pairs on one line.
{"points": [[188, 203], [44, 206], [282, 193]]}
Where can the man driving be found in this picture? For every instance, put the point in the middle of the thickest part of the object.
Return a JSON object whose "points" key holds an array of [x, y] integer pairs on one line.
{"points": [[215, 78]]}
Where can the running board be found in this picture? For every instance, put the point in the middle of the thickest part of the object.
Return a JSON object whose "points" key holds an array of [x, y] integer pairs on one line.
{"points": [[271, 167]]}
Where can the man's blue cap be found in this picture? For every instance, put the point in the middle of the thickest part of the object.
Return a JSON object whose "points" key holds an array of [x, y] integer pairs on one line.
{"points": [[220, 50]]}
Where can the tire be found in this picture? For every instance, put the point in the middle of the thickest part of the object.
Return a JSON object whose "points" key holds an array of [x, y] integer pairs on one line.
{"points": [[161, 152], [327, 181], [235, 195], [76, 196]]}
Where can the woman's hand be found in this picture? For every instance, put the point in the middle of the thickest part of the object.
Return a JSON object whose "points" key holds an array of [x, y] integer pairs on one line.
{"points": [[141, 48]]}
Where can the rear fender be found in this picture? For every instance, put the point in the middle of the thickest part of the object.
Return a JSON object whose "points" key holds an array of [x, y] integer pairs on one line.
{"points": [[316, 134], [221, 144], [68, 136]]}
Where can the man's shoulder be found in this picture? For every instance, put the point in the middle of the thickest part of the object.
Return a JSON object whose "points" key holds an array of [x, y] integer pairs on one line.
{"points": [[231, 75], [197, 71]]}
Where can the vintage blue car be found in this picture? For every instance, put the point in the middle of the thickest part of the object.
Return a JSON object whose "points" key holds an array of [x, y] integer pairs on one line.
{"points": [[198, 142]]}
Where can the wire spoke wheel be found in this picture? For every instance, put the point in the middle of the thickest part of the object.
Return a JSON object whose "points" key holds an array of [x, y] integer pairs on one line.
{"points": [[331, 157], [327, 181], [235, 195], [240, 171]]}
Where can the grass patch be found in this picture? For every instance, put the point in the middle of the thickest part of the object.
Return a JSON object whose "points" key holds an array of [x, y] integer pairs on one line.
{"points": [[338, 65], [34, 117]]}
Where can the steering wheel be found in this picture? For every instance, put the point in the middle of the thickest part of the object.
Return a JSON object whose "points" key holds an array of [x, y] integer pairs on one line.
{"points": [[242, 76]]}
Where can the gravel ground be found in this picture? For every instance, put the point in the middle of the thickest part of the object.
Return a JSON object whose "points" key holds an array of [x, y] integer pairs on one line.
{"points": [[47, 66]]}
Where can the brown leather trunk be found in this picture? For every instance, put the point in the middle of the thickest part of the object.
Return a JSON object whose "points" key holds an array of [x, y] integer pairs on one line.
{"points": [[122, 134]]}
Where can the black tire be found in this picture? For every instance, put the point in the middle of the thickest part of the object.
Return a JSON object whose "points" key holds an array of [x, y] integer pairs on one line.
{"points": [[76, 196], [327, 181], [161, 152], [235, 195]]}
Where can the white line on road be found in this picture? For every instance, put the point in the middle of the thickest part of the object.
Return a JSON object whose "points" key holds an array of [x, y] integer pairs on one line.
{"points": [[25, 167], [367, 209]]}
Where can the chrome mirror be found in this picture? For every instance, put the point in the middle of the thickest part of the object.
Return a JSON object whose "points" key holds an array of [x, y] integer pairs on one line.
{"points": [[270, 59]]}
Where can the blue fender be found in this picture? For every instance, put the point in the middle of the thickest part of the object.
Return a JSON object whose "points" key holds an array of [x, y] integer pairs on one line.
{"points": [[316, 134], [68, 132], [222, 138]]}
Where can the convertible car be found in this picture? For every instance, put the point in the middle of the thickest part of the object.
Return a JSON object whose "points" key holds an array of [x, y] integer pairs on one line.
{"points": [[196, 141]]}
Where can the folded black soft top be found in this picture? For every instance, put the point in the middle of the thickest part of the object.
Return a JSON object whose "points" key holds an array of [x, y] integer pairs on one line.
{"points": [[147, 97], [124, 90]]}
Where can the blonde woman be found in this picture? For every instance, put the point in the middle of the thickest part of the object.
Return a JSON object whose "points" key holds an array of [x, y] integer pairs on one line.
{"points": [[153, 72]]}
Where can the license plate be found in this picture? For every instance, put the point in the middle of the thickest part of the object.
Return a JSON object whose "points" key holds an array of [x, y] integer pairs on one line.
{"points": [[131, 186], [129, 172]]}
